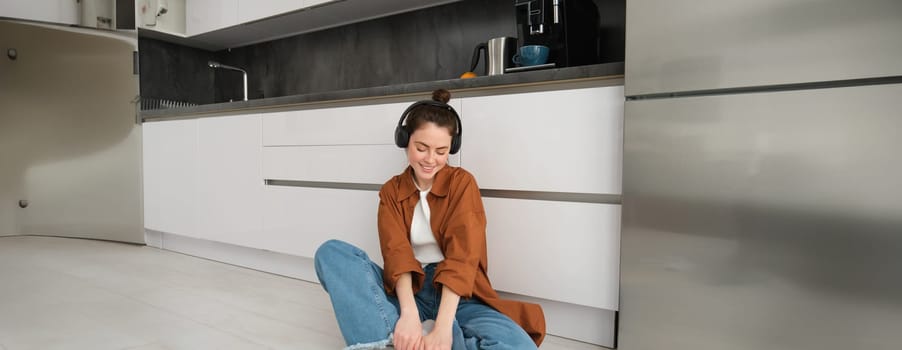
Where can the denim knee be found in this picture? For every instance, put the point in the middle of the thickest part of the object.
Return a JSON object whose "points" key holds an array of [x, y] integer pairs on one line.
{"points": [[329, 253], [491, 329], [329, 249]]}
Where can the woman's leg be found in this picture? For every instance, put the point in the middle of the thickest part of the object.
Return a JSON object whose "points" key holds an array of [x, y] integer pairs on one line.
{"points": [[485, 328], [366, 314]]}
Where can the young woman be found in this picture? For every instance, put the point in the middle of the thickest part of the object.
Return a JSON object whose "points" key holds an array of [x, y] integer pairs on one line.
{"points": [[432, 237]]}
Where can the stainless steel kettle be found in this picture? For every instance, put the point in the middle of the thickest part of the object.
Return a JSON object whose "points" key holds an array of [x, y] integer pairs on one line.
{"points": [[498, 53]]}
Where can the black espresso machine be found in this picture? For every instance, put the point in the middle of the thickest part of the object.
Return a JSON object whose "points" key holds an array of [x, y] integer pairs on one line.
{"points": [[570, 29]]}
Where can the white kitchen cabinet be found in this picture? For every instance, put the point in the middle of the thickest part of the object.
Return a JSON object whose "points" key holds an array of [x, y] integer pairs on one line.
{"points": [[202, 178], [561, 251], [252, 10], [369, 164], [356, 125], [171, 19], [297, 220], [229, 181], [203, 16], [366, 164], [268, 20], [54, 11], [170, 176], [311, 3], [342, 144], [556, 141]]}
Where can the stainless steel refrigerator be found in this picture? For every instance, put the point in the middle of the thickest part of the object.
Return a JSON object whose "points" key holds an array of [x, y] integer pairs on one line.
{"points": [[762, 182]]}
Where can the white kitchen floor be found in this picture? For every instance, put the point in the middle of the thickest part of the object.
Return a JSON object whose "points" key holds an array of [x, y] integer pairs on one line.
{"points": [[61, 293]]}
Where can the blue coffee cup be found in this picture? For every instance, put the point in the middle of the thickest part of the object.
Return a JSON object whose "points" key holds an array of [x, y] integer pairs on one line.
{"points": [[531, 55]]}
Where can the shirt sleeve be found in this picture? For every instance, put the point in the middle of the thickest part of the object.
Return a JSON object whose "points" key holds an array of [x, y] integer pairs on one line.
{"points": [[463, 240], [397, 252]]}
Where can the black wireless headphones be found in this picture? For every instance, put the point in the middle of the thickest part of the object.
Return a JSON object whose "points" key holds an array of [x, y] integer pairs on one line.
{"points": [[402, 136]]}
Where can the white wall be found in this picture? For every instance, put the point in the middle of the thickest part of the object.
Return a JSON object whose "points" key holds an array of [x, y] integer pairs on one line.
{"points": [[68, 139]]}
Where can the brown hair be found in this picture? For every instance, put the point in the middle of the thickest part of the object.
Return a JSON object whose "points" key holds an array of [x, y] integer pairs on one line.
{"points": [[442, 117]]}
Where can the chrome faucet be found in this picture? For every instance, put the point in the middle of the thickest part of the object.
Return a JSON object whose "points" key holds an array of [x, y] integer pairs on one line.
{"points": [[214, 64]]}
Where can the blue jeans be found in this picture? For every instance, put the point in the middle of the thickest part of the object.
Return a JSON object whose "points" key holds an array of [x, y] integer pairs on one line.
{"points": [[367, 315]]}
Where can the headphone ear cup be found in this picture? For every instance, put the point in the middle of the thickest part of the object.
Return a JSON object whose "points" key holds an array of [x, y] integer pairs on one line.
{"points": [[457, 139], [455, 144], [402, 138]]}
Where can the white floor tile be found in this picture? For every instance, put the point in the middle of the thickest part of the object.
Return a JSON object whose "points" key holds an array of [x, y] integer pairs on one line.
{"points": [[60, 293]]}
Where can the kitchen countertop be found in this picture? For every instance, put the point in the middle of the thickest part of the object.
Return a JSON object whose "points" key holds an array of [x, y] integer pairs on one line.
{"points": [[604, 70]]}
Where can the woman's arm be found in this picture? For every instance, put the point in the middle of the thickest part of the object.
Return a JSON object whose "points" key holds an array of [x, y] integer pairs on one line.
{"points": [[463, 238], [394, 242], [408, 331], [440, 338]]}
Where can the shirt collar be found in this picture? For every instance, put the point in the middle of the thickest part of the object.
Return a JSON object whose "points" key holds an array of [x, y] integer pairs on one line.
{"points": [[440, 184]]}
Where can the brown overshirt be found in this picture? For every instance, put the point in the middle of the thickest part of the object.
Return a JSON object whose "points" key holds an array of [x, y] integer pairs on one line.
{"points": [[458, 223]]}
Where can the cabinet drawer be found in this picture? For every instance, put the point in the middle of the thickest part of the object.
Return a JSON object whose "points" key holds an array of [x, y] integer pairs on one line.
{"points": [[557, 141], [359, 125], [298, 220], [561, 251], [356, 125], [373, 164], [358, 164]]}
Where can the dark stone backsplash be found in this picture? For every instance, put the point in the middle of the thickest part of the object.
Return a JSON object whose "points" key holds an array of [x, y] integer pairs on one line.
{"points": [[424, 45], [174, 72]]}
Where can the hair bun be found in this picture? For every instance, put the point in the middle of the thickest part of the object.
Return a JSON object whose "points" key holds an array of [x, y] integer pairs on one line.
{"points": [[441, 95]]}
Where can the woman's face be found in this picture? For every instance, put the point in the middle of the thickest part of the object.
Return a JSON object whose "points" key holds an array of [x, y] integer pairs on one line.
{"points": [[427, 152]]}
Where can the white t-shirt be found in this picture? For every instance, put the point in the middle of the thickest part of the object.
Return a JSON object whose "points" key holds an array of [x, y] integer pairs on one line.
{"points": [[425, 248]]}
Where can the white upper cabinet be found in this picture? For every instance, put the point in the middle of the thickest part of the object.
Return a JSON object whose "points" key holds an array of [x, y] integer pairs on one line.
{"points": [[311, 3], [56, 11], [203, 16], [252, 10], [555, 141], [216, 23], [167, 16]]}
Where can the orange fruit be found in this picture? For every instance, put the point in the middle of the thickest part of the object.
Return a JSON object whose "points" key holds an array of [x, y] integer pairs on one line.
{"points": [[468, 75]]}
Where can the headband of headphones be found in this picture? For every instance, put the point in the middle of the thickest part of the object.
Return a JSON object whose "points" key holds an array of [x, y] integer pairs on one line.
{"points": [[402, 136]]}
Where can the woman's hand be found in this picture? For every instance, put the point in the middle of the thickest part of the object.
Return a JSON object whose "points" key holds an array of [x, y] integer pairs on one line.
{"points": [[439, 339], [408, 333]]}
